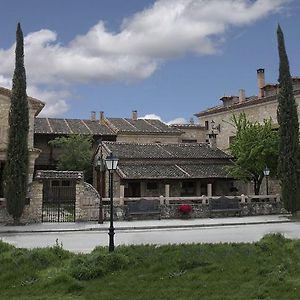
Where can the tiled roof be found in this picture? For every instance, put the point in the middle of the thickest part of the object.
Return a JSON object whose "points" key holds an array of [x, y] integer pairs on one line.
{"points": [[165, 151], [37, 104], [70, 126], [124, 125], [187, 126], [253, 100], [51, 174], [172, 171]]}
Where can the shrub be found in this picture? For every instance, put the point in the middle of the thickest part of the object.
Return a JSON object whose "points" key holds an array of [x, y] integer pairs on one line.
{"points": [[185, 208], [97, 264]]}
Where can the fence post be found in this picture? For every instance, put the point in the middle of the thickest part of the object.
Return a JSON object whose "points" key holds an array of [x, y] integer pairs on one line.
{"points": [[243, 198], [277, 198], [161, 200]]}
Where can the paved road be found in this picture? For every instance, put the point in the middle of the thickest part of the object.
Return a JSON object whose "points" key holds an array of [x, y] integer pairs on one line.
{"points": [[86, 241]]}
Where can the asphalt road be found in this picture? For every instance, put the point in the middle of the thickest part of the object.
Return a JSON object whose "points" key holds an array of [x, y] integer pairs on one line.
{"points": [[86, 241]]}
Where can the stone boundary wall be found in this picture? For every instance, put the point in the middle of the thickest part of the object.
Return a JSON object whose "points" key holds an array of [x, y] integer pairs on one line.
{"points": [[33, 209], [170, 211]]}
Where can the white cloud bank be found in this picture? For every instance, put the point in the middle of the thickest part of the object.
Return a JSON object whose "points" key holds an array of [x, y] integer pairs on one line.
{"points": [[166, 29], [178, 120]]}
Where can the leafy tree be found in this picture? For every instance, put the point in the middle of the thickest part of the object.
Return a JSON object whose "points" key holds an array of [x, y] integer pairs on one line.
{"points": [[254, 147], [75, 153], [16, 169], [288, 161]]}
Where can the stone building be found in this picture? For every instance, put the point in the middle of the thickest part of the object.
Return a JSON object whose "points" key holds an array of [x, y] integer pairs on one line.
{"points": [[104, 129], [35, 106], [257, 108], [170, 170]]}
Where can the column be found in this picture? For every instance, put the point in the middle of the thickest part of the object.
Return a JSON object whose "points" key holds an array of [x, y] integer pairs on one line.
{"points": [[167, 192], [122, 189], [209, 190]]}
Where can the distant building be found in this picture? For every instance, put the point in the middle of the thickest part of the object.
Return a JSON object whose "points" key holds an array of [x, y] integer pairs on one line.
{"points": [[257, 108], [35, 106], [170, 170]]}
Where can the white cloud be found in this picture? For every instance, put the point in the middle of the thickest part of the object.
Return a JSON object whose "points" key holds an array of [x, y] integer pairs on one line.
{"points": [[56, 100], [151, 116], [179, 120], [166, 29]]}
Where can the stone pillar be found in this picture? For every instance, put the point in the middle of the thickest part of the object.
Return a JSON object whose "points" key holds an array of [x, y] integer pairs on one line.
{"points": [[243, 198], [209, 189], [33, 212], [167, 190], [167, 193], [122, 192], [33, 155]]}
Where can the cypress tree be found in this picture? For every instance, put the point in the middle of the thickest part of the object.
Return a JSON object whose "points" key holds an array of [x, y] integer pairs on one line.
{"points": [[287, 116], [16, 169]]}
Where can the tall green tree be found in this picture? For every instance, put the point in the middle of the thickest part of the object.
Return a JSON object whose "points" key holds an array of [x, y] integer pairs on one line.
{"points": [[75, 153], [16, 169], [287, 116], [254, 147]]}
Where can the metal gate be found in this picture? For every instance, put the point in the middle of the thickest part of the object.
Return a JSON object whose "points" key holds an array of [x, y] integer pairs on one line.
{"points": [[59, 197]]}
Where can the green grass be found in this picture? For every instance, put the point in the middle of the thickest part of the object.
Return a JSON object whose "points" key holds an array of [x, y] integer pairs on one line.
{"points": [[268, 269]]}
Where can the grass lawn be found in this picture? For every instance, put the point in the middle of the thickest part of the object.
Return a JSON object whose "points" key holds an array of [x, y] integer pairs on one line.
{"points": [[268, 269]]}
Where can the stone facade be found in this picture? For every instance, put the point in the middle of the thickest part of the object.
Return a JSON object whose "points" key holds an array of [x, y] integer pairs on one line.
{"points": [[35, 106], [257, 108], [33, 209]]}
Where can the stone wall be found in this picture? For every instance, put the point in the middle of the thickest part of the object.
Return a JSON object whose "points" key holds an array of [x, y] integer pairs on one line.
{"points": [[87, 202], [170, 211], [254, 113], [33, 209]]}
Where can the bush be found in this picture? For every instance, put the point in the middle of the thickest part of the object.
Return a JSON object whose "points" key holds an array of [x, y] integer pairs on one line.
{"points": [[97, 264]]}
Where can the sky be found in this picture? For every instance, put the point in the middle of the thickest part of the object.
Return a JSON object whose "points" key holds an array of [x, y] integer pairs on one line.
{"points": [[167, 59]]}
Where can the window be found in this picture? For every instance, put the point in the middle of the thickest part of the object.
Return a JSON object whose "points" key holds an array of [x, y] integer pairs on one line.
{"points": [[231, 139], [152, 185], [189, 141], [188, 188], [206, 125]]}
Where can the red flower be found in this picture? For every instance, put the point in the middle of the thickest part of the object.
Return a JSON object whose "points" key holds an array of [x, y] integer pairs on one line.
{"points": [[185, 208]]}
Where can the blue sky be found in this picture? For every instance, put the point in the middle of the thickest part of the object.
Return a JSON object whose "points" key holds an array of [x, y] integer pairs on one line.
{"points": [[170, 58]]}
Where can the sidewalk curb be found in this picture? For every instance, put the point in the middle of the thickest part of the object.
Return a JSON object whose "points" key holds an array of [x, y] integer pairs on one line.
{"points": [[127, 228]]}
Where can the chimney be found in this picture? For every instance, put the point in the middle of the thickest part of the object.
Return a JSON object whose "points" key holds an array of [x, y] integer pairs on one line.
{"points": [[93, 116], [101, 118], [212, 136], [261, 82], [134, 115], [242, 96]]}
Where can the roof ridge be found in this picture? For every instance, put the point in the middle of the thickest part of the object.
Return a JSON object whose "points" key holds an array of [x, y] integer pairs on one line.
{"points": [[51, 129], [130, 124], [82, 121], [162, 148], [182, 170], [152, 125], [68, 126]]}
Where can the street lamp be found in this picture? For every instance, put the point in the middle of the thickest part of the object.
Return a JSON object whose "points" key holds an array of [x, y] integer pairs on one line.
{"points": [[267, 173], [111, 165], [100, 167]]}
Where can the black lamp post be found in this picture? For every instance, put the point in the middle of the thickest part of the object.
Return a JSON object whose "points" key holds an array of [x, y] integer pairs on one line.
{"points": [[100, 169], [267, 173], [111, 165]]}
